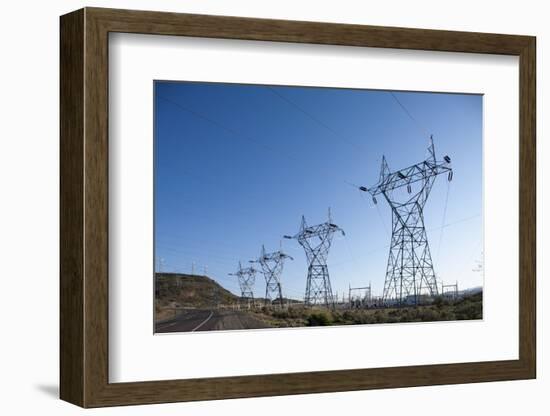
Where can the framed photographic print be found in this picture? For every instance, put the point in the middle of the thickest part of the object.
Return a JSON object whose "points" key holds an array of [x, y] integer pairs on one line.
{"points": [[331, 196]]}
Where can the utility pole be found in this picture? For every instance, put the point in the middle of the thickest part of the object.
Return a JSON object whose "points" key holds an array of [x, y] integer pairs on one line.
{"points": [[316, 241], [409, 269], [272, 268]]}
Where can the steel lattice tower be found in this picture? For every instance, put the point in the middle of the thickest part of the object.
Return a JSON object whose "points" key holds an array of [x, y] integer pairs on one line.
{"points": [[316, 241], [409, 273], [272, 268], [247, 278]]}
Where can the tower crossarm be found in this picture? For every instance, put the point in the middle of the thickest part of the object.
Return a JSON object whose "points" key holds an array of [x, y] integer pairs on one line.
{"points": [[275, 256], [270, 261], [316, 231], [408, 176]]}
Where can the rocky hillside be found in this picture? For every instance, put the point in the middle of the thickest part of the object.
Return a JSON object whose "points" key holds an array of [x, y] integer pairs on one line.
{"points": [[183, 290]]}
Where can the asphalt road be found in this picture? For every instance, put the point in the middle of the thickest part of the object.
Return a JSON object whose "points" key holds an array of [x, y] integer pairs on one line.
{"points": [[208, 320]]}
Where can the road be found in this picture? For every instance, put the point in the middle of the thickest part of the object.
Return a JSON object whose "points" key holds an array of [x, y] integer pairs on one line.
{"points": [[209, 320]]}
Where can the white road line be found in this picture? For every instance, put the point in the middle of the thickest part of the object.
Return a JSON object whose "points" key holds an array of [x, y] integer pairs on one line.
{"points": [[161, 327], [203, 322]]}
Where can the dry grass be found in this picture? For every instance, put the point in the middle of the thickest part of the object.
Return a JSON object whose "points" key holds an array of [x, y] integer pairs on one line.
{"points": [[441, 310]]}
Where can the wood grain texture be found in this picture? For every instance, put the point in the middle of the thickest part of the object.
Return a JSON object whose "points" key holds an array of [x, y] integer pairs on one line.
{"points": [[71, 100], [527, 208], [96, 208], [84, 207]]}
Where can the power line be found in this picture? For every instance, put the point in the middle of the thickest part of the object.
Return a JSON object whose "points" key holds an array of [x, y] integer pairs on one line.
{"points": [[313, 118], [443, 220], [212, 182], [184, 243], [248, 138], [420, 127], [381, 219], [223, 265], [191, 254], [220, 275], [228, 129], [310, 116], [225, 261]]}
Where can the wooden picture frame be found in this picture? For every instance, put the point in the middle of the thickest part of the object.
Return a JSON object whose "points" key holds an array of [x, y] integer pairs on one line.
{"points": [[84, 207]]}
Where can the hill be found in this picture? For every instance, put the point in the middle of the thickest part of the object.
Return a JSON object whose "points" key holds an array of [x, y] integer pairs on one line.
{"points": [[176, 290]]}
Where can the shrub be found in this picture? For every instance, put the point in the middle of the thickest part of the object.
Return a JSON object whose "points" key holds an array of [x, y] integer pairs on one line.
{"points": [[281, 314], [319, 319], [338, 318], [381, 317], [428, 314], [447, 315], [469, 310], [440, 301], [349, 316]]}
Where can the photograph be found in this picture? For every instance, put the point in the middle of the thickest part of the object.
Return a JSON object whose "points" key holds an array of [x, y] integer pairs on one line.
{"points": [[277, 205], [281, 206]]}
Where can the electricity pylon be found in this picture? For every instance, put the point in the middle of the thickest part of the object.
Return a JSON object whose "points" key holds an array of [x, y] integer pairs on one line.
{"points": [[247, 278], [272, 268], [409, 273], [316, 241]]}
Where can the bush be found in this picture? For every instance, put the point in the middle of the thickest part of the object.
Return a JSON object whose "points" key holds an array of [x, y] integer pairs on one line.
{"points": [[447, 315], [469, 310], [381, 317], [318, 319], [440, 301], [428, 314], [281, 314], [349, 316], [338, 318]]}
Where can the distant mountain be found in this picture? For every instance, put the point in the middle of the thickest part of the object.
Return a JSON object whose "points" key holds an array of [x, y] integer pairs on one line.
{"points": [[471, 291], [178, 290]]}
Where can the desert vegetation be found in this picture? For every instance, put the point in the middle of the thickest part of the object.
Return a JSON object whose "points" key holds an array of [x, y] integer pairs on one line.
{"points": [[466, 308], [177, 294]]}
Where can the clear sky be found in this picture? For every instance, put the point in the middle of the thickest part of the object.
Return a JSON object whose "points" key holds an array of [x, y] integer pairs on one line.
{"points": [[237, 165]]}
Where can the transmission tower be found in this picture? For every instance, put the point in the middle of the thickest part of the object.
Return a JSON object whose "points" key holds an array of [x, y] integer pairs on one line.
{"points": [[316, 241], [272, 268], [409, 273], [247, 278]]}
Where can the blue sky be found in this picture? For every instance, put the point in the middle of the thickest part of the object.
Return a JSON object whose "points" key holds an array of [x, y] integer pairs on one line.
{"points": [[237, 165]]}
